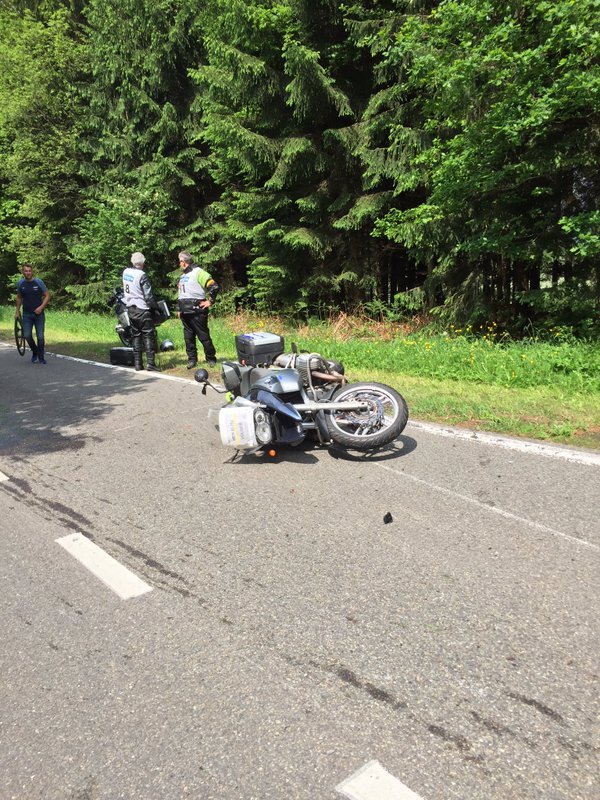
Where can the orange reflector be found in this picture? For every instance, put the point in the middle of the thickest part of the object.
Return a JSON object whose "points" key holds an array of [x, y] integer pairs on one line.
{"points": [[272, 453]]}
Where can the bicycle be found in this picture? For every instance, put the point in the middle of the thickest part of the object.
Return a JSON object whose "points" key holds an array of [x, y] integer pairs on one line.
{"points": [[19, 338]]}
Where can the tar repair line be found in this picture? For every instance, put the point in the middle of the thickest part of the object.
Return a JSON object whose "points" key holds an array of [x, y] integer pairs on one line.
{"points": [[492, 509], [373, 782], [117, 577]]}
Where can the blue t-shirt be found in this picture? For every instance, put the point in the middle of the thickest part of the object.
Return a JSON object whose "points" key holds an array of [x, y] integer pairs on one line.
{"points": [[32, 293]]}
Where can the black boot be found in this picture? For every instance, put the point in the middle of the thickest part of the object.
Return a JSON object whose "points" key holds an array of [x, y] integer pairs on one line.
{"points": [[137, 360], [151, 362]]}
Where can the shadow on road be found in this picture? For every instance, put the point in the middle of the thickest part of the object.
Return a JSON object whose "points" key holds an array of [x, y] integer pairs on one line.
{"points": [[401, 447], [45, 408], [303, 453], [295, 455]]}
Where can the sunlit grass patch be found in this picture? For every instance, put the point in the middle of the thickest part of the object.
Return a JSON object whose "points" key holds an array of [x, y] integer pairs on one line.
{"points": [[568, 365], [91, 336], [539, 389], [536, 413]]}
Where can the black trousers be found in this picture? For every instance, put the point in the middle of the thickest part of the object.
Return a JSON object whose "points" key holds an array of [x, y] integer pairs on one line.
{"points": [[142, 330], [196, 325]]}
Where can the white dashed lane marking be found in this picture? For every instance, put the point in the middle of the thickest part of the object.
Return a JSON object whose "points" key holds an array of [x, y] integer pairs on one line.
{"points": [[3, 477], [113, 574], [373, 782]]}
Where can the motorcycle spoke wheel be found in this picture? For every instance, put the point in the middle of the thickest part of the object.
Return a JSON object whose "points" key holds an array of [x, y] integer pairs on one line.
{"points": [[378, 425], [19, 338], [126, 338]]}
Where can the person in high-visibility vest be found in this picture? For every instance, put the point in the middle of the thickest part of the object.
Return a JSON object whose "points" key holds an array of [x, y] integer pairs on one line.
{"points": [[140, 302], [197, 291]]}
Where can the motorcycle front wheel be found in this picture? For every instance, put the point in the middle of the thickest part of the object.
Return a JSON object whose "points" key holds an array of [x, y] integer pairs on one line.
{"points": [[378, 425], [19, 338]]}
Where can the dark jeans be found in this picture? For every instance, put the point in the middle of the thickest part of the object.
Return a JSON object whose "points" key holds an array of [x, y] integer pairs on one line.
{"points": [[196, 324], [39, 321]]}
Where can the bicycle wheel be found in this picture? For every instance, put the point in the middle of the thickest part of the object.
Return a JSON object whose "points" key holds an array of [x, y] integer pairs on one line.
{"points": [[19, 338]]}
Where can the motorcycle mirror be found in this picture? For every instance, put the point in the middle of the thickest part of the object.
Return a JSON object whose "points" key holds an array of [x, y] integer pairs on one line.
{"points": [[201, 375], [294, 348]]}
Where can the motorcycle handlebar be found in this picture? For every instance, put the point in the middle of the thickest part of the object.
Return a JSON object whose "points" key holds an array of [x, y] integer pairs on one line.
{"points": [[201, 376]]}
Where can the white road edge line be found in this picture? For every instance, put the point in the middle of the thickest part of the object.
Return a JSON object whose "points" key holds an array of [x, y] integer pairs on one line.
{"points": [[521, 445], [373, 782], [3, 477], [139, 374], [491, 509], [130, 370], [113, 574], [547, 450]]}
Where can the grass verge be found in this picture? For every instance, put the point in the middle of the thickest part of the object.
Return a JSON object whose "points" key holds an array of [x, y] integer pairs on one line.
{"points": [[540, 390]]}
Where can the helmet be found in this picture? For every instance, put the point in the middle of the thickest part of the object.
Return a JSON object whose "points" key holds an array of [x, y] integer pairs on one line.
{"points": [[166, 345]]}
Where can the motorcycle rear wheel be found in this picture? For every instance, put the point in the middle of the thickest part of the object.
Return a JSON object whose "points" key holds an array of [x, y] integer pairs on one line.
{"points": [[126, 338], [383, 422]]}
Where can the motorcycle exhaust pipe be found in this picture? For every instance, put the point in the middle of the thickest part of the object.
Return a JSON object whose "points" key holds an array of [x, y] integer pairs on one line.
{"points": [[329, 377]]}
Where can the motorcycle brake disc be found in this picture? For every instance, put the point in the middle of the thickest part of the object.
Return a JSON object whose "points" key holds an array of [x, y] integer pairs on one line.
{"points": [[360, 420]]}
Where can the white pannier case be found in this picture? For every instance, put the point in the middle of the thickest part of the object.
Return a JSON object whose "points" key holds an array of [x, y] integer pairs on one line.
{"points": [[236, 426]]}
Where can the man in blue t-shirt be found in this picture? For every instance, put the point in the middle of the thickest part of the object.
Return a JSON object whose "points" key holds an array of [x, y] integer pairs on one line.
{"points": [[33, 296]]}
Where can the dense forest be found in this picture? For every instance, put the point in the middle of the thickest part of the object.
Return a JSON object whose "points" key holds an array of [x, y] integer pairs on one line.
{"points": [[392, 157]]}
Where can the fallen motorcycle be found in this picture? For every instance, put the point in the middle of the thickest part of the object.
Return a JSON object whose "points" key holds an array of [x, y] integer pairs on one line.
{"points": [[276, 398]]}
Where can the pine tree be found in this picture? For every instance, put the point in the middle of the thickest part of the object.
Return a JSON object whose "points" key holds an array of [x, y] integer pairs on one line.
{"points": [[145, 174], [41, 63], [488, 118], [278, 103]]}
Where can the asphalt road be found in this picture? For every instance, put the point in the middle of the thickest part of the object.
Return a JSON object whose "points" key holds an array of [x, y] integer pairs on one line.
{"points": [[290, 636]]}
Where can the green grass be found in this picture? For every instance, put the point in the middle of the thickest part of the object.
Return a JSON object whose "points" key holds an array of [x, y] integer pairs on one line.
{"points": [[539, 389], [566, 367], [92, 335]]}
